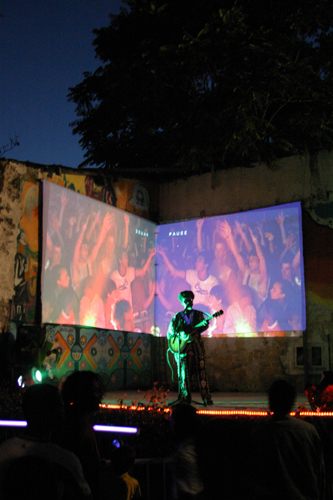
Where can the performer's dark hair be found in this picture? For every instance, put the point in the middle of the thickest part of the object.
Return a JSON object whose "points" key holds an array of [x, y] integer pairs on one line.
{"points": [[188, 294]]}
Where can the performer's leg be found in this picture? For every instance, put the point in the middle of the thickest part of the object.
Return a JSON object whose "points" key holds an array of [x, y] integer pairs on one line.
{"points": [[200, 369], [188, 374]]}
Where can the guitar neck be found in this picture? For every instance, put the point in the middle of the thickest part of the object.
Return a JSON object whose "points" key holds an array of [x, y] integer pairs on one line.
{"points": [[203, 321], [208, 318]]}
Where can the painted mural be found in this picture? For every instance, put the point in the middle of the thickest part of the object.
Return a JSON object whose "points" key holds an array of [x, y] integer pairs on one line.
{"points": [[26, 258], [126, 194], [121, 358]]}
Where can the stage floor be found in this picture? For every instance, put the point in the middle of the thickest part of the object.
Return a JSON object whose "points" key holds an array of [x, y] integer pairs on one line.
{"points": [[222, 400]]}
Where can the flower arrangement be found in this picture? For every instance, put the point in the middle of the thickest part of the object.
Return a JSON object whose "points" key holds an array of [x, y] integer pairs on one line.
{"points": [[156, 397]]}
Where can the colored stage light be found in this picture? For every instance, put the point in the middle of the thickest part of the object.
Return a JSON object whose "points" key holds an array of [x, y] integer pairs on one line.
{"points": [[13, 423], [115, 428], [37, 375]]}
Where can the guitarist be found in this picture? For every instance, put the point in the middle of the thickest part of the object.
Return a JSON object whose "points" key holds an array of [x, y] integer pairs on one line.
{"points": [[191, 358]]}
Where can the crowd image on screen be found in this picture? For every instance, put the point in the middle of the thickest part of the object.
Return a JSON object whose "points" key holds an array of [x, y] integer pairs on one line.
{"points": [[106, 268], [250, 265], [95, 256]]}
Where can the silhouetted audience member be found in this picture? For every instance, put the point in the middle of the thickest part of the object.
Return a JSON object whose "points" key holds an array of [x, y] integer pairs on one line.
{"points": [[112, 487], [185, 425], [222, 447], [82, 393], [287, 456], [32, 466], [36, 479], [122, 461]]}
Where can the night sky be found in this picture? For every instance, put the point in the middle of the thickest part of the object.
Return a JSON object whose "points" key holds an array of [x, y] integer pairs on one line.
{"points": [[46, 45]]}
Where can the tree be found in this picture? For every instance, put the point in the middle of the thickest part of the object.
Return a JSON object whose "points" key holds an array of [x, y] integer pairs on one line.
{"points": [[13, 142], [190, 85]]}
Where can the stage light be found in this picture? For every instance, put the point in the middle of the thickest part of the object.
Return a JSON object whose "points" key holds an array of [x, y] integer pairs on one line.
{"points": [[115, 428], [32, 377], [13, 423], [37, 376]]}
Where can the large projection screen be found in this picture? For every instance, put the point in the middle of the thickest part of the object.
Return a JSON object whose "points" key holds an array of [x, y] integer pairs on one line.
{"points": [[249, 265], [98, 264], [105, 268]]}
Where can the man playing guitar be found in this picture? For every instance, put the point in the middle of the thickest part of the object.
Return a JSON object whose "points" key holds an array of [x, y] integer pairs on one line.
{"points": [[184, 337]]}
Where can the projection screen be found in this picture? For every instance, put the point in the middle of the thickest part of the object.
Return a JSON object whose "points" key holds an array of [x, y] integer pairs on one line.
{"points": [[98, 266], [249, 265], [105, 268]]}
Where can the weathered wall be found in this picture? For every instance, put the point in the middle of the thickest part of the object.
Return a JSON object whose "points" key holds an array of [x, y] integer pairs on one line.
{"points": [[10, 216], [239, 189], [252, 364]]}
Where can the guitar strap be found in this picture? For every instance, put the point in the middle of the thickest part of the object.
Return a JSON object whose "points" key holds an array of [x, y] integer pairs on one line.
{"points": [[187, 320]]}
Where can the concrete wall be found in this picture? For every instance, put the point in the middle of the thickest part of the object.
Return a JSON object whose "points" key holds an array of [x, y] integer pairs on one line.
{"points": [[229, 191], [252, 364]]}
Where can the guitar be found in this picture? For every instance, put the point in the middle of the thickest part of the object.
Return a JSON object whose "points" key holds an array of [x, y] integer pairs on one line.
{"points": [[174, 341]]}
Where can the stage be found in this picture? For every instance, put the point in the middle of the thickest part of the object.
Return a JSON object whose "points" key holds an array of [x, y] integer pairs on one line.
{"points": [[223, 401]]}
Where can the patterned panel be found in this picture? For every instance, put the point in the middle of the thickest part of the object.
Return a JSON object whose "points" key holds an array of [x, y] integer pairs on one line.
{"points": [[123, 359]]}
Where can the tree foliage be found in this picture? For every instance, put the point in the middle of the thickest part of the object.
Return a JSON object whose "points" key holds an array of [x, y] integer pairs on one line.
{"points": [[185, 86]]}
